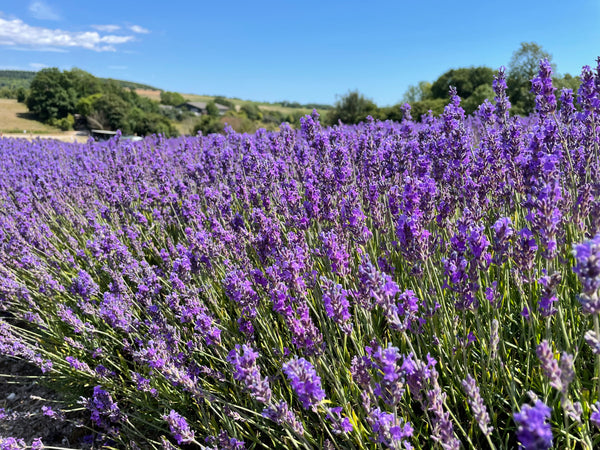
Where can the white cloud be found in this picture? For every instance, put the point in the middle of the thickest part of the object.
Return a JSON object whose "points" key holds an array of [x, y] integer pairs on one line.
{"points": [[43, 11], [37, 66], [16, 33], [138, 29], [107, 28]]}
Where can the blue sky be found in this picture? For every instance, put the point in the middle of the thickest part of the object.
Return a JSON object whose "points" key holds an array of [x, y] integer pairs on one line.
{"points": [[305, 51]]}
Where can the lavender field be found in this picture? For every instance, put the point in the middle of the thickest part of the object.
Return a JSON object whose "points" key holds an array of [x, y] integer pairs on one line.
{"points": [[407, 285]]}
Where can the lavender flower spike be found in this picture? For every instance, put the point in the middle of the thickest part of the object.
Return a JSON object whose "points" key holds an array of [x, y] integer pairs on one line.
{"points": [[243, 359], [587, 256], [305, 382], [179, 428], [477, 405], [534, 433], [549, 364]]}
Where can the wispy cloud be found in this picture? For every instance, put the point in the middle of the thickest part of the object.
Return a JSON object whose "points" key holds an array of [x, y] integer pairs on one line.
{"points": [[118, 67], [37, 66], [138, 29], [17, 34], [43, 11], [107, 28]]}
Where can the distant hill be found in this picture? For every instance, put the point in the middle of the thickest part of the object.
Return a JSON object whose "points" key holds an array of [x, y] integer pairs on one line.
{"points": [[22, 78], [16, 78]]}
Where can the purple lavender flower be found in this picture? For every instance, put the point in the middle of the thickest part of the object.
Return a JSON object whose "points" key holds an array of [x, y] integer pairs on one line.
{"points": [[179, 428], [524, 250], [84, 286], [502, 102], [503, 232], [548, 295], [593, 340], [335, 299], [281, 413], [534, 433], [339, 424], [477, 406], [104, 411], [549, 364], [224, 442], [391, 374], [587, 267], [389, 430], [541, 85], [11, 443], [243, 358], [595, 415], [305, 382], [443, 428], [336, 252], [360, 371]]}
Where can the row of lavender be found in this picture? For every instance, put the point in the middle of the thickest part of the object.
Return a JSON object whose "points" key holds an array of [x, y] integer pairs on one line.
{"points": [[393, 285]]}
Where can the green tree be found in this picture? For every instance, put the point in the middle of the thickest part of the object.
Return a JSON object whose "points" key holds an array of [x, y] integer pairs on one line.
{"points": [[419, 109], [465, 80], [83, 83], [351, 108], [223, 101], [208, 125], [212, 110], [479, 95], [51, 95], [111, 112], [523, 66], [252, 111], [567, 81], [22, 95], [417, 93], [171, 98]]}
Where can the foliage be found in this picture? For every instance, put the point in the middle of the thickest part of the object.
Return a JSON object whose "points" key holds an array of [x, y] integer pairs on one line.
{"points": [[208, 125], [55, 95], [351, 108], [418, 93], [465, 80], [252, 111], [65, 124], [223, 101], [422, 108], [480, 94], [171, 98], [21, 95], [522, 68], [212, 110], [52, 95], [319, 106]]}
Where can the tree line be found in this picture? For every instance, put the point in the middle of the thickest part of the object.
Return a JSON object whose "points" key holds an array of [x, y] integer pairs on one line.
{"points": [[57, 98], [473, 85]]}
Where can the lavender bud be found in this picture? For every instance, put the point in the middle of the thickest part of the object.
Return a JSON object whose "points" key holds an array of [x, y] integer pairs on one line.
{"points": [[549, 364], [477, 406]]}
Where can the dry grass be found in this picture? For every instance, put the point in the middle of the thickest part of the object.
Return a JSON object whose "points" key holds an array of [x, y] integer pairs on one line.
{"points": [[14, 117], [149, 93]]}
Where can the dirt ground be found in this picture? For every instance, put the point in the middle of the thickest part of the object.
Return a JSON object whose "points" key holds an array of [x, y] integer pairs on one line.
{"points": [[66, 136], [21, 401]]}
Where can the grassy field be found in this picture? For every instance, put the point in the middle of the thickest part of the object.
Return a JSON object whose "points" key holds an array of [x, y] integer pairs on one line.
{"points": [[238, 103], [14, 118]]}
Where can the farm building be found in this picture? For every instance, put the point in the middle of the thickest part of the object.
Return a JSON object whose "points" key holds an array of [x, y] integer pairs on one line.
{"points": [[199, 108]]}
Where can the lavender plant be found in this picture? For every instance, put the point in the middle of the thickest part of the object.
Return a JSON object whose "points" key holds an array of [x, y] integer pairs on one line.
{"points": [[382, 285]]}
